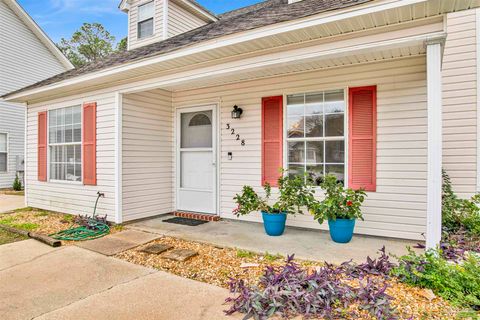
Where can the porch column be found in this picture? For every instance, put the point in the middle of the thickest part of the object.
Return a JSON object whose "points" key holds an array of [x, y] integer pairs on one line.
{"points": [[434, 159], [118, 157]]}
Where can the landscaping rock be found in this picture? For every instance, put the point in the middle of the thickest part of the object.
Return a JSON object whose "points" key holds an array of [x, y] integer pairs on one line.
{"points": [[156, 248], [180, 254]]}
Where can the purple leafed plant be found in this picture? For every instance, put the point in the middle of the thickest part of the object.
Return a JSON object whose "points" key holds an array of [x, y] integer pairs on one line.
{"points": [[290, 290], [380, 266]]}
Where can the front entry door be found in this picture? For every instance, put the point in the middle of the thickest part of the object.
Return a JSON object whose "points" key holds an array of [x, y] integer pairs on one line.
{"points": [[196, 169]]}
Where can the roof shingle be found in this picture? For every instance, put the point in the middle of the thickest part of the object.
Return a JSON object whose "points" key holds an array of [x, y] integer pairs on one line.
{"points": [[243, 19]]}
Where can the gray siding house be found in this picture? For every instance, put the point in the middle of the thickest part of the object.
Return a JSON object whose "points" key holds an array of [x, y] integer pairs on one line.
{"points": [[27, 56]]}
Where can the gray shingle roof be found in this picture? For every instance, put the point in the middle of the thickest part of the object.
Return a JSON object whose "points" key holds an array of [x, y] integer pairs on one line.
{"points": [[244, 19]]}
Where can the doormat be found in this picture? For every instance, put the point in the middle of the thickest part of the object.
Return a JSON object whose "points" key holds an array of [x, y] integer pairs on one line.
{"points": [[185, 221]]}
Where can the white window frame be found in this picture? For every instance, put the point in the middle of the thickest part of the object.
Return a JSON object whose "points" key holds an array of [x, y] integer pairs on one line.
{"points": [[345, 128], [140, 21], [60, 144], [6, 152]]}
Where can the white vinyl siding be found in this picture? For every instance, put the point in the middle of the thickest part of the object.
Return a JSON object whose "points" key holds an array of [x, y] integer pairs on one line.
{"points": [[180, 20], [65, 196], [460, 102], [398, 208], [24, 60], [147, 153]]}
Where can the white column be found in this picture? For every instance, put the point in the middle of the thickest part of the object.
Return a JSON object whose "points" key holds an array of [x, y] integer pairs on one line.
{"points": [[118, 157], [434, 164]]}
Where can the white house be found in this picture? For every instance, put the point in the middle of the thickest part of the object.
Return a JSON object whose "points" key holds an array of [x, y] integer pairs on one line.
{"points": [[27, 56], [382, 93]]}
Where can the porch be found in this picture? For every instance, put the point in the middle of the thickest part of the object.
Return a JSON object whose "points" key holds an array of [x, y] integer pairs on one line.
{"points": [[307, 244], [405, 67]]}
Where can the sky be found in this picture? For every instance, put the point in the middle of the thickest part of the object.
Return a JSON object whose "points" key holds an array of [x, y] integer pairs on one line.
{"points": [[60, 18]]}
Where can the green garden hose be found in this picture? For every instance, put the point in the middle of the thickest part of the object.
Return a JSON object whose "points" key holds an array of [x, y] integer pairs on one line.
{"points": [[92, 230]]}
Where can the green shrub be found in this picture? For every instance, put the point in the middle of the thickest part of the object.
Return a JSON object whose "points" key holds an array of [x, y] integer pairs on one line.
{"points": [[458, 283], [459, 214], [17, 185]]}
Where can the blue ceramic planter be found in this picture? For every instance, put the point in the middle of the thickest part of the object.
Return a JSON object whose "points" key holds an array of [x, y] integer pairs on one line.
{"points": [[274, 223], [341, 230]]}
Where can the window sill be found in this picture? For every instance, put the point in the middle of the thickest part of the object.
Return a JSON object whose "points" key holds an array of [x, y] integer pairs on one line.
{"points": [[65, 182]]}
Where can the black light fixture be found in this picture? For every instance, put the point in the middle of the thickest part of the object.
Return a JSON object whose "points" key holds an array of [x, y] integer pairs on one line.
{"points": [[237, 112]]}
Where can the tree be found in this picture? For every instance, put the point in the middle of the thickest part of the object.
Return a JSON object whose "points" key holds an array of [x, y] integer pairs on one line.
{"points": [[122, 45], [91, 42]]}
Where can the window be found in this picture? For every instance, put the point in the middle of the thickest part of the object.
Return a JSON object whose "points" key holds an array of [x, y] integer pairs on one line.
{"points": [[316, 134], [65, 143], [145, 20], [3, 152]]}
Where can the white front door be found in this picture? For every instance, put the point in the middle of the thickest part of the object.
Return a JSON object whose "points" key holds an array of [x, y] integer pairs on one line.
{"points": [[196, 159]]}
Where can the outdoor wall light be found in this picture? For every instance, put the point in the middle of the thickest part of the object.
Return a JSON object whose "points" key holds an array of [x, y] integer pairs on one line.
{"points": [[237, 112]]}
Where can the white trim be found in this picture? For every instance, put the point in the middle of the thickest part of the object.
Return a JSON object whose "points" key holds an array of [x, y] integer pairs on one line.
{"points": [[165, 19], [25, 154], [42, 36], [197, 9], [434, 162], [236, 38], [214, 107], [279, 58], [118, 158], [477, 23]]}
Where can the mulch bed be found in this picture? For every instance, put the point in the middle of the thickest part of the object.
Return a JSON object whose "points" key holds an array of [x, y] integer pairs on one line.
{"points": [[217, 265]]}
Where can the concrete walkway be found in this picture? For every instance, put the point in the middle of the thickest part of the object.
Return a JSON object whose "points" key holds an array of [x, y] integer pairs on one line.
{"points": [[304, 243], [39, 282], [9, 202]]}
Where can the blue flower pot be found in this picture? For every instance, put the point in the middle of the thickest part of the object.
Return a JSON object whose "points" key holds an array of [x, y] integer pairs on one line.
{"points": [[274, 223], [341, 230]]}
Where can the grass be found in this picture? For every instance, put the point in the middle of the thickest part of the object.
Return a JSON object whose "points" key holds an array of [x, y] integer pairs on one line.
{"points": [[8, 237], [11, 222], [245, 254], [272, 257]]}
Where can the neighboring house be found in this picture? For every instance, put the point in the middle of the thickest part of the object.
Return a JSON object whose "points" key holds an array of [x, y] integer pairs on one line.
{"points": [[351, 87], [27, 56]]}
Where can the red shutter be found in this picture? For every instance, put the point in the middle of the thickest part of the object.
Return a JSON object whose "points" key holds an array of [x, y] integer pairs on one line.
{"points": [[362, 157], [42, 146], [272, 133], [89, 143]]}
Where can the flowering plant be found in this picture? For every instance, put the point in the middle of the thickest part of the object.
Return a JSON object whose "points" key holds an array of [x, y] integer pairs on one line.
{"points": [[339, 203], [295, 193]]}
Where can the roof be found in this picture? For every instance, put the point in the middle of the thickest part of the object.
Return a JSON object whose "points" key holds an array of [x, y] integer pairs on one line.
{"points": [[255, 16], [38, 32]]}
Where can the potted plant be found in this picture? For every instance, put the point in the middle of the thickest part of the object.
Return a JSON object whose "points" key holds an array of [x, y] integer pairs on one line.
{"points": [[295, 193], [341, 207]]}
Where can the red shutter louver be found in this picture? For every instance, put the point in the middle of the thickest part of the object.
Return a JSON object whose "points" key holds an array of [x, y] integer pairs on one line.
{"points": [[362, 157], [42, 146], [272, 133], [89, 143]]}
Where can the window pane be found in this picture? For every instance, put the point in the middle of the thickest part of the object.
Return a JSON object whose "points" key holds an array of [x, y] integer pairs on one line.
{"points": [[314, 126], [60, 116], [145, 28], [296, 152], [78, 154], [68, 115], [314, 152], [69, 133], [3, 142], [316, 173], [334, 101], [3, 162], [78, 172], [314, 103], [146, 11], [334, 125], [77, 115], [295, 127], [70, 154], [334, 151], [296, 170], [337, 170], [196, 136], [52, 118], [77, 133]]}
